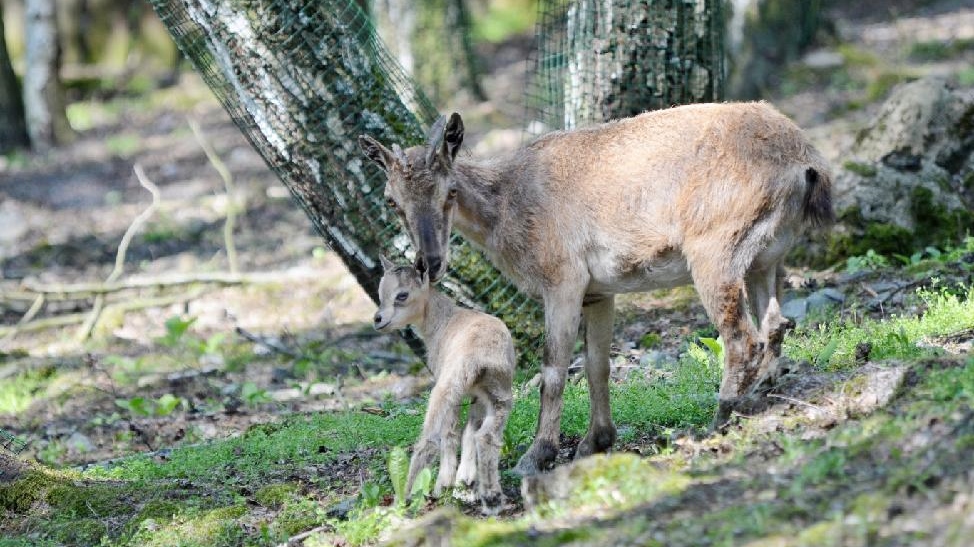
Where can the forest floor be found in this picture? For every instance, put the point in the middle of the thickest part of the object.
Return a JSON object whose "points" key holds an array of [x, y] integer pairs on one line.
{"points": [[257, 408]]}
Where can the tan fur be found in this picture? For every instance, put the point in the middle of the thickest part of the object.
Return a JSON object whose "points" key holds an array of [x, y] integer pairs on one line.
{"points": [[470, 354], [713, 194]]}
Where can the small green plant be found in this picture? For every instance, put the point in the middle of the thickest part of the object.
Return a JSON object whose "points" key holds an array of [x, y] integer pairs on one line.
{"points": [[252, 395], [870, 261], [140, 406], [176, 328]]}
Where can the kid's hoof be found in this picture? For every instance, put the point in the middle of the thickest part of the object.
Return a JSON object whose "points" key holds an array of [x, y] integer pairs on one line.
{"points": [[538, 459]]}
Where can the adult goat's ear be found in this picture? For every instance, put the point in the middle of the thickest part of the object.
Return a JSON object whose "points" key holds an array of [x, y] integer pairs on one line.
{"points": [[387, 264], [434, 145], [453, 136], [379, 154]]}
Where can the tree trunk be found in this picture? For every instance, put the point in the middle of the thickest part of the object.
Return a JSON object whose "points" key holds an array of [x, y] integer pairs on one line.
{"points": [[437, 33], [303, 79], [767, 35], [600, 60], [13, 128], [47, 124]]}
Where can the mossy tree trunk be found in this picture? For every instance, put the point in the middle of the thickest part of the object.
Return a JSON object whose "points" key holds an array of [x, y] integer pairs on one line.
{"points": [[13, 127]]}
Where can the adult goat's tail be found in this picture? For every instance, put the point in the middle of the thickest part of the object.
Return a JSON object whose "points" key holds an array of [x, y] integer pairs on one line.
{"points": [[817, 208]]}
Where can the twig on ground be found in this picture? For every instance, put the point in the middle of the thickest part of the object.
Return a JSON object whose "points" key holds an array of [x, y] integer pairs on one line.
{"points": [[299, 538], [796, 401], [122, 307], [89, 325], [268, 343], [228, 186]]}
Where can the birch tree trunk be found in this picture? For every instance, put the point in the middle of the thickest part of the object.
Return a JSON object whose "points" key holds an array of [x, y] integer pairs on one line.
{"points": [[13, 129], [47, 124]]}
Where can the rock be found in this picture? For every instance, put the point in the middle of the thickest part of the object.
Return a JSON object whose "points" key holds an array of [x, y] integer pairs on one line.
{"points": [[909, 180], [795, 309], [79, 443], [823, 298]]}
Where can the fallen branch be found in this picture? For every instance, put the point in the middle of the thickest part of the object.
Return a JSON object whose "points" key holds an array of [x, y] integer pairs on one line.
{"points": [[89, 325], [268, 343], [122, 307], [228, 186]]}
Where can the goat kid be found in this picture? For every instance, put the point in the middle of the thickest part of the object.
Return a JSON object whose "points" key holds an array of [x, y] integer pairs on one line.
{"points": [[470, 353], [713, 194]]}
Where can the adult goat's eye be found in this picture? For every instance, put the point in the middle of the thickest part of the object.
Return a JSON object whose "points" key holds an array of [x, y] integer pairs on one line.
{"points": [[391, 203], [401, 297], [452, 194]]}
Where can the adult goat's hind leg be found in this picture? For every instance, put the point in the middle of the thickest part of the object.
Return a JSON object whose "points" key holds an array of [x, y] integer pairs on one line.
{"points": [[722, 294], [764, 295], [598, 337]]}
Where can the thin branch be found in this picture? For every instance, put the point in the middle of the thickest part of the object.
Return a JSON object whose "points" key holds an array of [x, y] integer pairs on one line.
{"points": [[794, 400], [89, 325], [122, 307], [268, 343], [228, 186]]}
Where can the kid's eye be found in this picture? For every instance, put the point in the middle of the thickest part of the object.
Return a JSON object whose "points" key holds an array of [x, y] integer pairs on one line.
{"points": [[392, 203], [401, 297], [452, 194]]}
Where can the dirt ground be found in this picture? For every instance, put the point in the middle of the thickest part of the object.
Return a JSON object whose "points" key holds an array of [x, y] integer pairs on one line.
{"points": [[295, 336]]}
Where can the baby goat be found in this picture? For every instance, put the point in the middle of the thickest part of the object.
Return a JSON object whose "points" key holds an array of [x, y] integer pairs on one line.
{"points": [[469, 353]]}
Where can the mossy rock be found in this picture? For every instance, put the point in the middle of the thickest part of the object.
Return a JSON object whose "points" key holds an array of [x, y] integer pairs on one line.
{"points": [[33, 486]]}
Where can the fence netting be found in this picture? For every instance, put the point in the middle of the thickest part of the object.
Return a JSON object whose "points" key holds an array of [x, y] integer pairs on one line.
{"points": [[303, 78]]}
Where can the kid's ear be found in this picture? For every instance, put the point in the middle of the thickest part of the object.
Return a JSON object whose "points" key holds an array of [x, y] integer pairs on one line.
{"points": [[387, 264]]}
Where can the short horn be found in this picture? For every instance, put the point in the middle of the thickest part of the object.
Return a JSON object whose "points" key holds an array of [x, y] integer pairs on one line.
{"points": [[435, 139]]}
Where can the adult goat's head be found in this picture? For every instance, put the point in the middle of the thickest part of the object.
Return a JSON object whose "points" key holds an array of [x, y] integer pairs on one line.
{"points": [[420, 188]]}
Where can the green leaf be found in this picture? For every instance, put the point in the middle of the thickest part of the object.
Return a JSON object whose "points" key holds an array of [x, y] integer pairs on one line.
{"points": [[398, 465], [166, 404], [423, 484], [824, 356], [371, 495]]}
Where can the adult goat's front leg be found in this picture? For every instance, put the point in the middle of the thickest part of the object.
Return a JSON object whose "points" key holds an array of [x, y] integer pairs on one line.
{"points": [[598, 338], [562, 309]]}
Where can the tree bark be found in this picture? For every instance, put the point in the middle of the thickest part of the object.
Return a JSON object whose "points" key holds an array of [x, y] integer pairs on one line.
{"points": [[47, 124], [13, 128], [607, 59]]}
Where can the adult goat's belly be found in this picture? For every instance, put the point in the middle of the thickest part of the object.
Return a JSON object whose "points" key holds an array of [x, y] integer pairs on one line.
{"points": [[613, 273]]}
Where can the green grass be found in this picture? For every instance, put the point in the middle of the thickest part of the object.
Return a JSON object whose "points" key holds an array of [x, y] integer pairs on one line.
{"points": [[833, 345], [17, 393], [297, 441]]}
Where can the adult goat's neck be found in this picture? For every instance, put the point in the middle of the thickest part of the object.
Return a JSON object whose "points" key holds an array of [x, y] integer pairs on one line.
{"points": [[484, 189]]}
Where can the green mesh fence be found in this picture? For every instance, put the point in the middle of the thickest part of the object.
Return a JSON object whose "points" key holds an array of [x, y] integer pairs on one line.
{"points": [[302, 79], [11, 443], [599, 60]]}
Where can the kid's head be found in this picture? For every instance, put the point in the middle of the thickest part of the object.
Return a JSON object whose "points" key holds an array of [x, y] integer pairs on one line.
{"points": [[403, 291]]}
